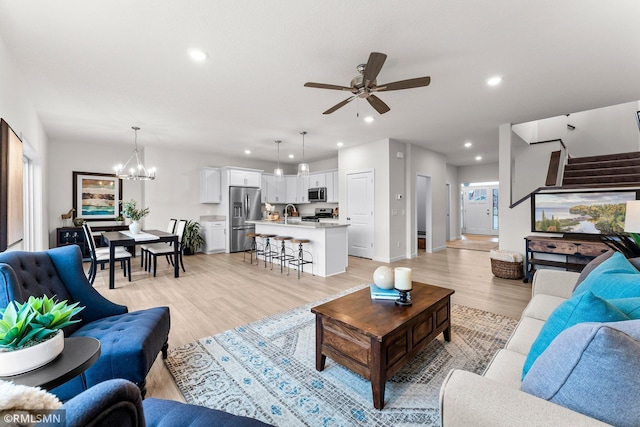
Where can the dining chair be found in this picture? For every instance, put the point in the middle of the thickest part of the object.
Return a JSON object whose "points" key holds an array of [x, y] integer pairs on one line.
{"points": [[159, 249], [144, 248], [100, 256]]}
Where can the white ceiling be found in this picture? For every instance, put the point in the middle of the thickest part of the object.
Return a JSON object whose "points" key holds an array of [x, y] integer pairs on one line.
{"points": [[96, 68]]}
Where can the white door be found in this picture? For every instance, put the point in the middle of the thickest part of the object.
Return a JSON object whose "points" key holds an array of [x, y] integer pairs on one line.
{"points": [[360, 191], [478, 211]]}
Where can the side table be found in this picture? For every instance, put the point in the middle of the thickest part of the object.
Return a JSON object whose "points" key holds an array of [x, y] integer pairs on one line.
{"points": [[79, 354]]}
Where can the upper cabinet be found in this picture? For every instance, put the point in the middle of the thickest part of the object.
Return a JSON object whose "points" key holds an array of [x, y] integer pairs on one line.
{"points": [[210, 185], [243, 177], [331, 178], [273, 190], [317, 179]]}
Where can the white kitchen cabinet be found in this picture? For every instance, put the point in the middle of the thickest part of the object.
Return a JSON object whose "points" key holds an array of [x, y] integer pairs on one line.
{"points": [[291, 189], [210, 185], [214, 236], [303, 189], [317, 179], [332, 186], [244, 177], [273, 191]]}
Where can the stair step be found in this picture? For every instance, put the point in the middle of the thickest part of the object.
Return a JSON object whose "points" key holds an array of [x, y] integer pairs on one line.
{"points": [[627, 170], [605, 157], [632, 185], [603, 164], [602, 179]]}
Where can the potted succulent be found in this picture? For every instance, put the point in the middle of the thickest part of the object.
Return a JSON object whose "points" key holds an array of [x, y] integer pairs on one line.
{"points": [[31, 333], [119, 220], [192, 240], [130, 210]]}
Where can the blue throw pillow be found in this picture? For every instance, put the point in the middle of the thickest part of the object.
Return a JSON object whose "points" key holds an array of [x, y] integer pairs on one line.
{"points": [[592, 368], [586, 307], [614, 278]]}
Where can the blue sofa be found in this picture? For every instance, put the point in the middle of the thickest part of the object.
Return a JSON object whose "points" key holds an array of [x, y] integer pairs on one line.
{"points": [[119, 403], [130, 342]]}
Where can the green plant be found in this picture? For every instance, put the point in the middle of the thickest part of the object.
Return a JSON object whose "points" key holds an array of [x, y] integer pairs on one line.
{"points": [[192, 240], [34, 321], [120, 218], [130, 210]]}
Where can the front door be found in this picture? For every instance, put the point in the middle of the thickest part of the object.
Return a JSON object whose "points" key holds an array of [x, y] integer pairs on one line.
{"points": [[360, 191]]}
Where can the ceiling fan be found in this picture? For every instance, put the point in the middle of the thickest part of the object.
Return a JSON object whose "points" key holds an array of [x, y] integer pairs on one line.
{"points": [[365, 84]]}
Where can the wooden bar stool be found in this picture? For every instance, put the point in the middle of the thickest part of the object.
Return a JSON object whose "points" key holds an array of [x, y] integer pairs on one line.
{"points": [[299, 261], [267, 250], [253, 249], [282, 256]]}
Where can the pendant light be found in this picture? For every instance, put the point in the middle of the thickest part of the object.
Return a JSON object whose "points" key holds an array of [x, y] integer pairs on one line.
{"points": [[303, 168], [278, 173], [134, 169]]}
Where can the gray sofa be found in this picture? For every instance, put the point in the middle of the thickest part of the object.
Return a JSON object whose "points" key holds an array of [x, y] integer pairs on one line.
{"points": [[494, 398]]}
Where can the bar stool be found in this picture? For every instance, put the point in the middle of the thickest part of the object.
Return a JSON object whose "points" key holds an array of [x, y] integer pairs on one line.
{"points": [[300, 262], [253, 249], [283, 257], [267, 250]]}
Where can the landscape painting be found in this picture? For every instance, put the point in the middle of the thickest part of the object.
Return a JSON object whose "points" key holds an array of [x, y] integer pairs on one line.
{"points": [[96, 196], [596, 212]]}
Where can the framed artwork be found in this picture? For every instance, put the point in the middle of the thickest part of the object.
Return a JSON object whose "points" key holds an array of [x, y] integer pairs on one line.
{"points": [[11, 196], [584, 212], [96, 196]]}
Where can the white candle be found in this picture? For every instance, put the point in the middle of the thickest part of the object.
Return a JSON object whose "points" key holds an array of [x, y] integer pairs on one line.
{"points": [[403, 278]]}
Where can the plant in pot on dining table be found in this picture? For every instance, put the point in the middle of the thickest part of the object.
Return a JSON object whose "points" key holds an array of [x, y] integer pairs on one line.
{"points": [[31, 333], [130, 210]]}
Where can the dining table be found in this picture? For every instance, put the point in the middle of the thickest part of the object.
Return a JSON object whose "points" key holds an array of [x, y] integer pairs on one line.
{"points": [[114, 239]]}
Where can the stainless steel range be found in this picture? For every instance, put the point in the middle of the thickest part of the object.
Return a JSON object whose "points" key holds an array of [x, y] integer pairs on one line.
{"points": [[319, 213]]}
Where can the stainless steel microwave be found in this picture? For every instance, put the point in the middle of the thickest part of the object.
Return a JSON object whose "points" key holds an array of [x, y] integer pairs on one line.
{"points": [[318, 194]]}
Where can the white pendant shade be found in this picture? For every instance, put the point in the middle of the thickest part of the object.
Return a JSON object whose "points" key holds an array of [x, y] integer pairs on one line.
{"points": [[278, 173], [303, 168]]}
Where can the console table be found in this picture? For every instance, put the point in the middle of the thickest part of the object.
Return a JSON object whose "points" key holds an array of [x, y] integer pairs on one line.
{"points": [[573, 253]]}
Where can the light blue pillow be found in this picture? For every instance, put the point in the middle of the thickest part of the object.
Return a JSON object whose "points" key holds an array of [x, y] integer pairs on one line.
{"points": [[614, 278], [592, 368], [586, 307]]}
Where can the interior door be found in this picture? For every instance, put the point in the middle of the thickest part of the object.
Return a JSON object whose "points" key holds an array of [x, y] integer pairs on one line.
{"points": [[478, 208], [360, 191]]}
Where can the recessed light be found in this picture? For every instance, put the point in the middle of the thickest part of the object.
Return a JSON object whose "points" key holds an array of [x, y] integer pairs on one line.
{"points": [[340, 144], [468, 144], [291, 156], [247, 151], [198, 55], [478, 157], [494, 81], [368, 119]]}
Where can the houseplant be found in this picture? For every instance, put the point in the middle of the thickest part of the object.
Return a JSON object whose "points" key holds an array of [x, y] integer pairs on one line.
{"points": [[130, 210], [30, 333], [192, 240]]}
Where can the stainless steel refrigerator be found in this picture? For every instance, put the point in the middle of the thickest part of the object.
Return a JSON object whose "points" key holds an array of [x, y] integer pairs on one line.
{"points": [[244, 205]]}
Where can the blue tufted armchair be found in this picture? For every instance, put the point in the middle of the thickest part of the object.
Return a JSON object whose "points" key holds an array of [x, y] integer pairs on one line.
{"points": [[130, 342]]}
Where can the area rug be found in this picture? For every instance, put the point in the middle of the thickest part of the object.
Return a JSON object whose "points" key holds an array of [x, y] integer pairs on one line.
{"points": [[474, 245], [266, 370]]}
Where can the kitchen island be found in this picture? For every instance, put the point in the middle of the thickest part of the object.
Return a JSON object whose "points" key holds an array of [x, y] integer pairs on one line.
{"points": [[327, 243]]}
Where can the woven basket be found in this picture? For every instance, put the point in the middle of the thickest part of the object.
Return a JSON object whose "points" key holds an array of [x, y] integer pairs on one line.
{"points": [[506, 269]]}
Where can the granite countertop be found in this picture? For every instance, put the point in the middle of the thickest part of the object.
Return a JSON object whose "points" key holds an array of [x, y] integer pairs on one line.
{"points": [[304, 224]]}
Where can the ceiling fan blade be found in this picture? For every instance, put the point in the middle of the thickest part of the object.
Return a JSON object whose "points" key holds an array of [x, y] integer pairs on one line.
{"points": [[377, 103], [339, 105], [404, 84], [373, 67], [326, 86]]}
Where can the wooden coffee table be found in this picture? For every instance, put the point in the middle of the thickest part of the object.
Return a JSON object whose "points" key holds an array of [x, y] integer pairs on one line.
{"points": [[376, 338]]}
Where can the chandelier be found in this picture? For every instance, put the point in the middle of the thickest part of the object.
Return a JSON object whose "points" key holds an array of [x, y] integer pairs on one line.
{"points": [[303, 168], [134, 169]]}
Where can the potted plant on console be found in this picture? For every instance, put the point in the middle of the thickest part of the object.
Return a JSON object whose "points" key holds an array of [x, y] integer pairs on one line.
{"points": [[192, 240], [130, 210], [31, 333]]}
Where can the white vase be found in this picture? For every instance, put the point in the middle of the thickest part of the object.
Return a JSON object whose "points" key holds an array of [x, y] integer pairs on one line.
{"points": [[134, 227], [27, 359]]}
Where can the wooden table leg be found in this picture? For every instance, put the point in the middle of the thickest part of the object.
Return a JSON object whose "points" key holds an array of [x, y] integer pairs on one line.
{"points": [[176, 260], [447, 333], [320, 358], [378, 373]]}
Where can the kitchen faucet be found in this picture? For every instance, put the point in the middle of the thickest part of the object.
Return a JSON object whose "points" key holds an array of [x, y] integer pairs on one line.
{"points": [[286, 212]]}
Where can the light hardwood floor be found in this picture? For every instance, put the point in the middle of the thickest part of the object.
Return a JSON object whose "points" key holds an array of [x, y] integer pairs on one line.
{"points": [[219, 292]]}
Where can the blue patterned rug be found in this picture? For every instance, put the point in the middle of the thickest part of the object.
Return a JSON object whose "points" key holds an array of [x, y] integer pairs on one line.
{"points": [[266, 370]]}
